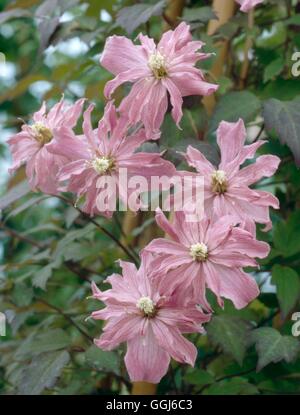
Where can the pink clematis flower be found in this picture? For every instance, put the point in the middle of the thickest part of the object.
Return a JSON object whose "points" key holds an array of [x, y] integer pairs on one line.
{"points": [[247, 5], [155, 71], [103, 154], [31, 145], [150, 319], [226, 188], [207, 254]]}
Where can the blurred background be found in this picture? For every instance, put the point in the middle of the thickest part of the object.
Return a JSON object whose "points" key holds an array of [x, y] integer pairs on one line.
{"points": [[49, 253]]}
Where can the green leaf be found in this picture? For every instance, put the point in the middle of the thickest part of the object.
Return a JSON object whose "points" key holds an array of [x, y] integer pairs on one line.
{"points": [[282, 89], [102, 360], [287, 236], [199, 377], [273, 69], [129, 18], [231, 334], [41, 277], [288, 287], [236, 386], [271, 346], [70, 237], [37, 343], [42, 373], [283, 117], [199, 14], [233, 106], [27, 204], [294, 20], [22, 295], [140, 229], [14, 194]]}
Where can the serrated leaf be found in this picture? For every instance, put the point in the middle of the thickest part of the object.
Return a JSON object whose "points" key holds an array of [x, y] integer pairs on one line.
{"points": [[129, 18], [283, 118], [271, 346], [233, 106], [38, 343], [70, 237], [288, 287], [41, 277], [102, 360], [42, 373], [231, 334]]}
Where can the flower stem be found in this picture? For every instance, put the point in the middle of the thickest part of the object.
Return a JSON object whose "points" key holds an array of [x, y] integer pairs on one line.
{"points": [[143, 388]]}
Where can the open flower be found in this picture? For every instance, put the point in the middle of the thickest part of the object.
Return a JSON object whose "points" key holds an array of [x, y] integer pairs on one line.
{"points": [[150, 319], [155, 71], [30, 146], [247, 5], [207, 254], [226, 187], [105, 153]]}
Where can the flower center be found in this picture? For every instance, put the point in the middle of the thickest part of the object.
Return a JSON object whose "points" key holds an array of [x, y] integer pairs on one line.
{"points": [[199, 252], [157, 64], [102, 164], [146, 305], [219, 181], [42, 133]]}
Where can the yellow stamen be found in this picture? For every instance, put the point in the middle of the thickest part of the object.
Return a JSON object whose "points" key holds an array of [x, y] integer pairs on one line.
{"points": [[219, 182]]}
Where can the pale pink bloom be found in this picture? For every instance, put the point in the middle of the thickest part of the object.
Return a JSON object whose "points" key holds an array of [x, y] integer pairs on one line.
{"points": [[30, 146], [100, 155], [151, 319], [226, 187], [207, 254], [247, 5], [155, 71]]}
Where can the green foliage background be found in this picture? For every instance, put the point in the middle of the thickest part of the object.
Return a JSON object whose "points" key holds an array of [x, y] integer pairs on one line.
{"points": [[50, 252]]}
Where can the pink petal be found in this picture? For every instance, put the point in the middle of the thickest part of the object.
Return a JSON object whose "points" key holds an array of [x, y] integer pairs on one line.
{"points": [[23, 148], [230, 138], [176, 99], [128, 55], [131, 75], [235, 285], [265, 166], [197, 160], [164, 224], [231, 259], [68, 145], [167, 247], [119, 330], [247, 5], [243, 242], [173, 40], [145, 360], [170, 339], [190, 84], [73, 168]]}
